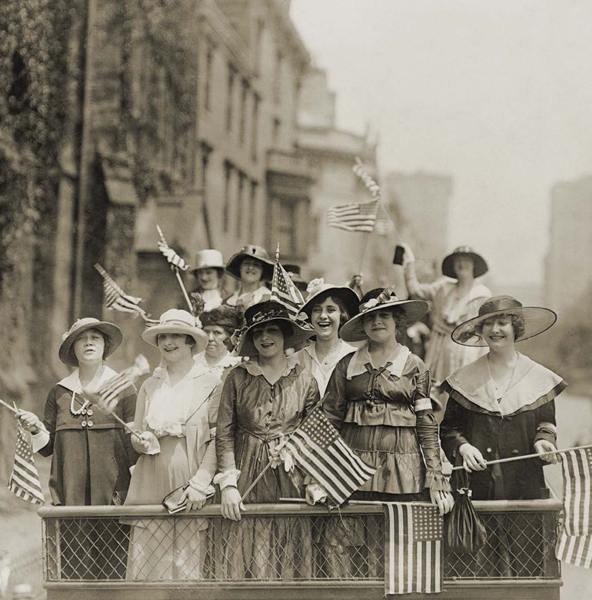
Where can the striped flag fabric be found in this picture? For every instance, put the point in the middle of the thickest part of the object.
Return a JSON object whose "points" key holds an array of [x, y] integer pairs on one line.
{"points": [[321, 452], [172, 257], [413, 549], [574, 545], [284, 291], [108, 394], [353, 217], [24, 479], [116, 299]]}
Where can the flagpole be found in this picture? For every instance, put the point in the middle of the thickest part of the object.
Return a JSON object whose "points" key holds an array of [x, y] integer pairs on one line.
{"points": [[185, 294], [175, 268], [8, 407], [526, 456]]}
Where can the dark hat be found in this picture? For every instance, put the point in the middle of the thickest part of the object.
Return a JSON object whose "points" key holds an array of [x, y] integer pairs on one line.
{"points": [[479, 265], [318, 291], [267, 312], [250, 251], [295, 273], [112, 333], [536, 320], [223, 316], [414, 310]]}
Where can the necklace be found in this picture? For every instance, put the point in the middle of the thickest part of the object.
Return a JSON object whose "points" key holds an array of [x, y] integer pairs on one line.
{"points": [[501, 393], [77, 411]]}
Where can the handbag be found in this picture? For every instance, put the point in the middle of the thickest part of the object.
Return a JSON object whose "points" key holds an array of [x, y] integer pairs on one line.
{"points": [[174, 501]]}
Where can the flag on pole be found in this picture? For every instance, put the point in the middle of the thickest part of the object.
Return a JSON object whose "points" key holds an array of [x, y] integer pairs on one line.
{"points": [[575, 542], [413, 549], [283, 289], [172, 257], [363, 174], [321, 452], [353, 217], [24, 479], [108, 394]]}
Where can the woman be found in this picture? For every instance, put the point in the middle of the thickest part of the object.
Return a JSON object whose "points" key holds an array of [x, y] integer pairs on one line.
{"points": [[91, 452], [452, 303], [263, 400], [252, 267], [208, 273], [502, 406], [219, 325], [177, 421], [327, 308]]}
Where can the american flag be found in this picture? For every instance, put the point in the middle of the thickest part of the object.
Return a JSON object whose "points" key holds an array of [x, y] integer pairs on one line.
{"points": [[353, 217], [413, 549], [318, 448], [575, 543], [24, 479], [172, 257], [284, 290], [108, 394]]}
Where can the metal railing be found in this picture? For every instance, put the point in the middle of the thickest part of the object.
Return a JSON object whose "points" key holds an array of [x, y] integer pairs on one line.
{"points": [[282, 543]]}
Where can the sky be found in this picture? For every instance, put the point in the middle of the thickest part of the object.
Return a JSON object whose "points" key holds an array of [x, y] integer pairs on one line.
{"points": [[495, 93]]}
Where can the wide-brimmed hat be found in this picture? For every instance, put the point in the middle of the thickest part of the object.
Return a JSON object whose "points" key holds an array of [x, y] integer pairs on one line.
{"points": [[112, 333], [295, 273], [177, 321], [479, 265], [536, 320], [318, 291], [414, 310], [208, 259], [268, 312], [250, 251], [223, 316]]}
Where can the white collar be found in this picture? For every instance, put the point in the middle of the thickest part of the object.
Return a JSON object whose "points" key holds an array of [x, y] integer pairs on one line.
{"points": [[253, 368], [72, 381], [361, 357]]}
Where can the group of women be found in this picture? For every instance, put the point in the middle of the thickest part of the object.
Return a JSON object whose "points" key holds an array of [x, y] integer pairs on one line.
{"points": [[225, 397]]}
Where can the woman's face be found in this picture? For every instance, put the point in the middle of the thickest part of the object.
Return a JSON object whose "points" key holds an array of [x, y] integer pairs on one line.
{"points": [[207, 279], [268, 340], [380, 326], [216, 347], [463, 266], [498, 332], [89, 347], [325, 318], [174, 347], [251, 271]]}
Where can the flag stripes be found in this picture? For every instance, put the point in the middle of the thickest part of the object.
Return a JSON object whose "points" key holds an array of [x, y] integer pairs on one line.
{"points": [[575, 542], [24, 479], [109, 392], [172, 257], [353, 217], [284, 291], [318, 448], [413, 549], [116, 299]]}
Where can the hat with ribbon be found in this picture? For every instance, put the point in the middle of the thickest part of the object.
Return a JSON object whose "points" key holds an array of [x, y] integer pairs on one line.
{"points": [[208, 259], [250, 251], [536, 320], [265, 312], [479, 265], [177, 321], [414, 310], [112, 333], [319, 291]]}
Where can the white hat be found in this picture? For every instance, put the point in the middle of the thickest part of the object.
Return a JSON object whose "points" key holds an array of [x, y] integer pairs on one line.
{"points": [[208, 259], [177, 321]]}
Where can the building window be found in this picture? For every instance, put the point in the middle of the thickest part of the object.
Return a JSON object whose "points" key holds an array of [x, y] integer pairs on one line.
{"points": [[209, 71], [255, 127], [230, 98], [243, 112], [239, 205], [276, 132], [227, 196], [253, 205], [277, 77], [287, 227]]}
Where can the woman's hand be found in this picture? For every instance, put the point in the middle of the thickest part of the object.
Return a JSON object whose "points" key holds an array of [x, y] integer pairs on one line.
{"points": [[195, 499], [30, 421], [315, 493], [444, 500], [542, 447], [147, 441], [231, 504], [472, 458]]}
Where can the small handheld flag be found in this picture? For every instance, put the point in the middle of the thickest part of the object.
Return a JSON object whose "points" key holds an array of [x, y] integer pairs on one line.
{"points": [[353, 217], [24, 479], [108, 394], [283, 289], [172, 257]]}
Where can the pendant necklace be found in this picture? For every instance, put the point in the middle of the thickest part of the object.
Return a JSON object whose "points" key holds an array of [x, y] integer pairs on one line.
{"points": [[77, 411], [501, 393]]}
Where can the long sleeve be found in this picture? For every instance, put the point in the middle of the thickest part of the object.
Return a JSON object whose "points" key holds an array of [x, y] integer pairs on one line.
{"points": [[335, 400], [49, 420], [452, 429], [425, 291], [128, 406], [546, 428], [427, 433], [140, 412], [226, 425]]}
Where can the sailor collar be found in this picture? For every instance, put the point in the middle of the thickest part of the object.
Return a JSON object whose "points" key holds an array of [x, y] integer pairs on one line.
{"points": [[72, 381], [252, 366], [361, 358]]}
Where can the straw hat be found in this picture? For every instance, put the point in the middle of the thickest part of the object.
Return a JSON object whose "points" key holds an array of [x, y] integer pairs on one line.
{"points": [[536, 320], [112, 333], [251, 251], [177, 321], [353, 330], [269, 311], [480, 266], [318, 291], [208, 259]]}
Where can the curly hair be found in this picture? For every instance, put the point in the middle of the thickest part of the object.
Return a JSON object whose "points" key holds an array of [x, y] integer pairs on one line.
{"points": [[343, 312], [518, 324], [399, 316]]}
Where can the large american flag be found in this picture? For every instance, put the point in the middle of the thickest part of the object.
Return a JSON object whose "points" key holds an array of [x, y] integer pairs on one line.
{"points": [[319, 450], [413, 549], [353, 217], [575, 542], [284, 290], [24, 479]]}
